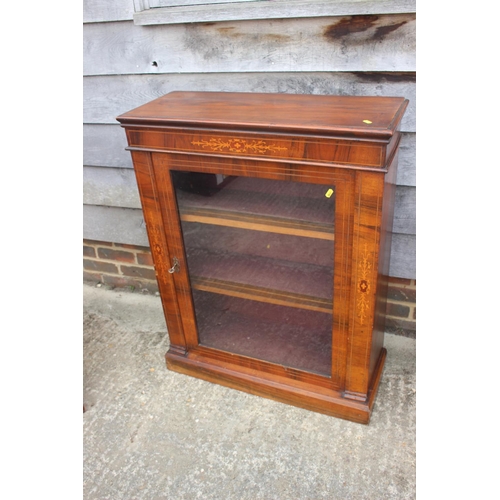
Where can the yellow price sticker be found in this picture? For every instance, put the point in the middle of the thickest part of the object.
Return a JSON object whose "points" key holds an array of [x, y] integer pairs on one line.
{"points": [[329, 193]]}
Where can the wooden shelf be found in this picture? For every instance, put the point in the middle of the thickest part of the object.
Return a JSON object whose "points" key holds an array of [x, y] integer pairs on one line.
{"points": [[269, 245], [258, 223], [263, 205], [262, 279], [261, 294]]}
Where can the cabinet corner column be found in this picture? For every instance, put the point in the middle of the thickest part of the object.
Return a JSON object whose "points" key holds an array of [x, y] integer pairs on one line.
{"points": [[364, 284]]}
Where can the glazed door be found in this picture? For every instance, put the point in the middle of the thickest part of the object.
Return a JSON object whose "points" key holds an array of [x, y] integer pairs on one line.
{"points": [[260, 256]]}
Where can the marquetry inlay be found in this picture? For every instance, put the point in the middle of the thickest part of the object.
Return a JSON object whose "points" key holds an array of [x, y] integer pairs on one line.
{"points": [[364, 285], [157, 250], [238, 145]]}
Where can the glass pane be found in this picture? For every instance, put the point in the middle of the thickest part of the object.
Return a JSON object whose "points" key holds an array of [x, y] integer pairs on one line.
{"points": [[260, 260]]}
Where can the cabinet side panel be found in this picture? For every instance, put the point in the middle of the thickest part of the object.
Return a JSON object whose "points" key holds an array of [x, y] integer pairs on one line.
{"points": [[384, 262], [159, 248]]}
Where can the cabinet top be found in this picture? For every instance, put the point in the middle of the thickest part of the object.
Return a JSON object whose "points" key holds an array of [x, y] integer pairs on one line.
{"points": [[358, 116]]}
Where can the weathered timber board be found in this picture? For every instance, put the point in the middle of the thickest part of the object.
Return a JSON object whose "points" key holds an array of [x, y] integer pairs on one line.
{"points": [[106, 97], [126, 225], [113, 187], [119, 10], [405, 210], [116, 187], [352, 43], [275, 9], [119, 225], [107, 10], [407, 160], [104, 146], [403, 256]]}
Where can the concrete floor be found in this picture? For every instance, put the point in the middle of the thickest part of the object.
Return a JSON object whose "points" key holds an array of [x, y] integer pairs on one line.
{"points": [[149, 433]]}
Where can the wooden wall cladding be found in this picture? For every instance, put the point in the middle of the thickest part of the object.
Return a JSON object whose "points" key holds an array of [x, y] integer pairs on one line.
{"points": [[363, 48], [354, 43]]}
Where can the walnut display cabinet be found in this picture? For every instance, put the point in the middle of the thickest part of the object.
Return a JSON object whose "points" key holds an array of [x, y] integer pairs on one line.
{"points": [[269, 218]]}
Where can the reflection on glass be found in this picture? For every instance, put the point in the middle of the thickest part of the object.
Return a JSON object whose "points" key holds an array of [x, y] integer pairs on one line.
{"points": [[260, 259]]}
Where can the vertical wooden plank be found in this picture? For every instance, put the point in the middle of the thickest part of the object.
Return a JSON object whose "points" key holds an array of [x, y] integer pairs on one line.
{"points": [[155, 227]]}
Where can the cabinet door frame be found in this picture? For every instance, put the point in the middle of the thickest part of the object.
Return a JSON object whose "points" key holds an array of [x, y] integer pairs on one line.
{"points": [[343, 182]]}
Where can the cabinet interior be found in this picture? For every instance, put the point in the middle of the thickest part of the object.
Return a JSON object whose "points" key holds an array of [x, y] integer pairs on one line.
{"points": [[260, 256]]}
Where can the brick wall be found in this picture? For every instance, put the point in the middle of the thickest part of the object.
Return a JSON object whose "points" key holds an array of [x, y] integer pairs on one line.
{"points": [[119, 266], [401, 307], [129, 266]]}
